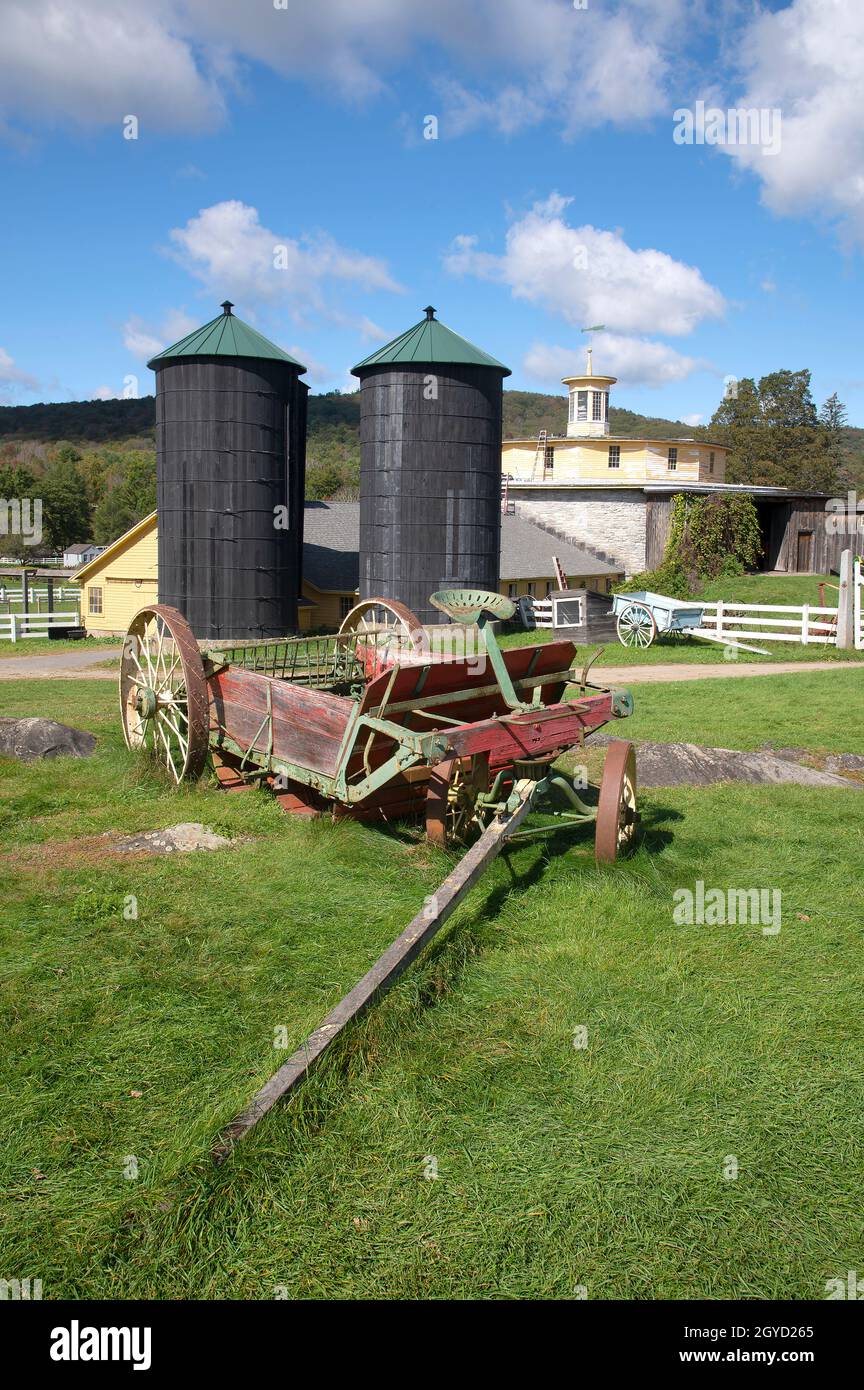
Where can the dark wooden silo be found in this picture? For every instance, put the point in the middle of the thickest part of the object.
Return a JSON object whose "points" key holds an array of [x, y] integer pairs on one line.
{"points": [[430, 467], [231, 463]]}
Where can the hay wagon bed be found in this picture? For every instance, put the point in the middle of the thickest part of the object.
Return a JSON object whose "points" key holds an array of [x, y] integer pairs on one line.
{"points": [[383, 720], [375, 721]]}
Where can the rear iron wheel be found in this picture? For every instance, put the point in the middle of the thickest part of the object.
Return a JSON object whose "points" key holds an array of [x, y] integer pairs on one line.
{"points": [[452, 816], [617, 817], [164, 702], [383, 630]]}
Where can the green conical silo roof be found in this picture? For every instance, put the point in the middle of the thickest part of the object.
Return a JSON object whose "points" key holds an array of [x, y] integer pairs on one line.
{"points": [[225, 336], [430, 341]]}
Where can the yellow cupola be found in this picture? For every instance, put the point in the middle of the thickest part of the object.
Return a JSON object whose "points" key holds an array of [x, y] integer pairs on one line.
{"points": [[588, 413]]}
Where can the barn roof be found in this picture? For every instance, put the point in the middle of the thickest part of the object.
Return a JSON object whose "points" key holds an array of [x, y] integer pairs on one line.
{"points": [[331, 545]]}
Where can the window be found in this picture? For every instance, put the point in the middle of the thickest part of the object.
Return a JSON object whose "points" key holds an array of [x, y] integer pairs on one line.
{"points": [[597, 406], [346, 603], [572, 412], [581, 405], [606, 405], [94, 600], [530, 587], [511, 590], [614, 455], [672, 460], [549, 587], [548, 458], [711, 462]]}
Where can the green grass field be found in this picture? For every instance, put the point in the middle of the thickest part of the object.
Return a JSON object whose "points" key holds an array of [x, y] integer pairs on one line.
{"points": [[557, 1166]]}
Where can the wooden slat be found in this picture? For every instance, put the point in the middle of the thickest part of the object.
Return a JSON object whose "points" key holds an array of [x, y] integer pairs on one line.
{"points": [[383, 975]]}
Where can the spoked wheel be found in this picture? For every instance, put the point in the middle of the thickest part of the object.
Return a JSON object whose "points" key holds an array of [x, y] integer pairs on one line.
{"points": [[163, 691], [384, 628], [617, 818], [636, 626], [451, 800]]}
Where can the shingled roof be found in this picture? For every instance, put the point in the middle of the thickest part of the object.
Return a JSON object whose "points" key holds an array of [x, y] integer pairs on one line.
{"points": [[331, 541]]}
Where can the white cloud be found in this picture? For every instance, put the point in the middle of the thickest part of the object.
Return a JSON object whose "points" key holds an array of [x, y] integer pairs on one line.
{"points": [[144, 340], [231, 253], [634, 361], [692, 420], [588, 275], [92, 62], [104, 393], [174, 62], [317, 372], [808, 62], [14, 378]]}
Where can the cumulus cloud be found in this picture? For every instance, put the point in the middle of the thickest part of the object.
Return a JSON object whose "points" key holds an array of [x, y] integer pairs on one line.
{"points": [[227, 248], [588, 275], [92, 62], [175, 62], [13, 380], [144, 340], [808, 63], [634, 361]]}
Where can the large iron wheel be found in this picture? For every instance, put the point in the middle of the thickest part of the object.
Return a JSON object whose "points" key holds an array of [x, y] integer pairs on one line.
{"points": [[617, 818], [164, 703], [383, 629], [452, 817], [636, 626]]}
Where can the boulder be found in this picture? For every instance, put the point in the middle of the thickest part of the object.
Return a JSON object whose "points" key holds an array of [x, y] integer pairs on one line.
{"points": [[33, 738]]}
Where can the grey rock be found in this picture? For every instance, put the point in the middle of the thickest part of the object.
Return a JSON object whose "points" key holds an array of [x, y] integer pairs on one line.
{"points": [[34, 738], [183, 839]]}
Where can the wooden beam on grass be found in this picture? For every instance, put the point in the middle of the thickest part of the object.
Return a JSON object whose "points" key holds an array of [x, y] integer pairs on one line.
{"points": [[383, 975]]}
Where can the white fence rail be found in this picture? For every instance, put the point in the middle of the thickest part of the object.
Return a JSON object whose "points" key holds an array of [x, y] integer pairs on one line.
{"points": [[12, 594], [858, 605], [535, 612], [772, 622], [14, 626]]}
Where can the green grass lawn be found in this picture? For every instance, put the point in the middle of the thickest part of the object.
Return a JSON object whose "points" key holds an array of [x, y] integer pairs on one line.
{"points": [[37, 646], [557, 1166]]}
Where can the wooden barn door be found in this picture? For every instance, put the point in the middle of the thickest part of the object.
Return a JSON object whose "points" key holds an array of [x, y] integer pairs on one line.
{"points": [[805, 552]]}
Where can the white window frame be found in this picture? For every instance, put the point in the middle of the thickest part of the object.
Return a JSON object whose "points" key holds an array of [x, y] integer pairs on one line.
{"points": [[616, 450], [597, 407], [582, 405], [672, 460]]}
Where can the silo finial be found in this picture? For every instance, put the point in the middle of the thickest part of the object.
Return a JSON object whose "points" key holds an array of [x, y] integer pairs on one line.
{"points": [[226, 306], [429, 311]]}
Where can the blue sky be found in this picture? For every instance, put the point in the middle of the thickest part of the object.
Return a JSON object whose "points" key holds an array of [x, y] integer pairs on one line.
{"points": [[553, 197]]}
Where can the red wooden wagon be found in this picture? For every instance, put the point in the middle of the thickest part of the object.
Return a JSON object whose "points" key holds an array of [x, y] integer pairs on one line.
{"points": [[383, 720]]}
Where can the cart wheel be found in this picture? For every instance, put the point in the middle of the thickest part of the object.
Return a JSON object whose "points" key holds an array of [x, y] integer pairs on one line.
{"points": [[451, 799], [164, 701], [617, 818], [636, 626], [383, 629]]}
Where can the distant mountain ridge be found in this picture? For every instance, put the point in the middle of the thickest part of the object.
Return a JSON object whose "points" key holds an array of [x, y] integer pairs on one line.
{"points": [[526, 413]]}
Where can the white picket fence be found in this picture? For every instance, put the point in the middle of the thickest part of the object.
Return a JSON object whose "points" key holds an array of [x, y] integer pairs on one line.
{"points": [[805, 623], [14, 626], [858, 605], [11, 594]]}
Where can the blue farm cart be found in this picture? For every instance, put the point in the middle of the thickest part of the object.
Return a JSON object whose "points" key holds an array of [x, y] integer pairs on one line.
{"points": [[641, 616]]}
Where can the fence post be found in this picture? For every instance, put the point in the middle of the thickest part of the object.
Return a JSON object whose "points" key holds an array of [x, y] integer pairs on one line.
{"points": [[845, 633], [13, 621], [805, 623], [719, 617]]}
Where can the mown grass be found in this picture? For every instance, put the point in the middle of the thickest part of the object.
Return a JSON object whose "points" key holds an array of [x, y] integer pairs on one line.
{"points": [[601, 1166], [38, 646]]}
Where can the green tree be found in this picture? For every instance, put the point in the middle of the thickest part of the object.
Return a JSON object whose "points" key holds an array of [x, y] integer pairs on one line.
{"points": [[775, 434], [130, 497], [65, 506]]}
